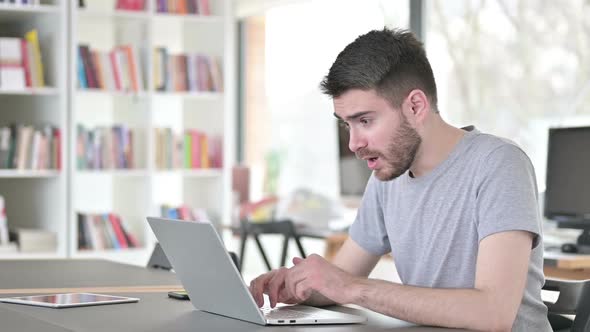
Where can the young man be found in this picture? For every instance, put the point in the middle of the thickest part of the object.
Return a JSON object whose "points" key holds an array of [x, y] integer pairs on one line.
{"points": [[457, 208]]}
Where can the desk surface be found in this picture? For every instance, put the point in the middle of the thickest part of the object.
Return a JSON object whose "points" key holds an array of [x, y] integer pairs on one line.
{"points": [[73, 273], [16, 321], [157, 312], [154, 312]]}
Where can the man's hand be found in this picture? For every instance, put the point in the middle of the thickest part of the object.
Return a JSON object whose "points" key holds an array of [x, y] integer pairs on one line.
{"points": [[315, 274], [272, 284], [350, 263], [297, 284]]}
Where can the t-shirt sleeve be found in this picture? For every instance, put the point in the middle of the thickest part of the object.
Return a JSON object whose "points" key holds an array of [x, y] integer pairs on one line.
{"points": [[507, 194], [368, 229]]}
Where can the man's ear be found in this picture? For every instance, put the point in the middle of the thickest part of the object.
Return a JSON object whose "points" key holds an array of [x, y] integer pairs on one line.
{"points": [[416, 107]]}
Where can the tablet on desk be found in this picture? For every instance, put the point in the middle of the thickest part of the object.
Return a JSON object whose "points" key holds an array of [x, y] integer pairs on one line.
{"points": [[68, 300]]}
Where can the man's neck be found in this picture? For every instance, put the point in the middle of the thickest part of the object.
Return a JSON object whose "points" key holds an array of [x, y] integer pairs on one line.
{"points": [[437, 144]]}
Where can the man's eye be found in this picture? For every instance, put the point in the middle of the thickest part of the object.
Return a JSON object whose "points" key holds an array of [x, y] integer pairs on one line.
{"points": [[365, 121], [344, 125]]}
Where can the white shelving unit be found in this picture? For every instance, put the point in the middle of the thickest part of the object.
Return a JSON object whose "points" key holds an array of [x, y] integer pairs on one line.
{"points": [[51, 199], [135, 194], [38, 199]]}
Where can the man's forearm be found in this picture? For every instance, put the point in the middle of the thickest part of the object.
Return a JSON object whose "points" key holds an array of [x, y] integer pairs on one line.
{"points": [[459, 308]]}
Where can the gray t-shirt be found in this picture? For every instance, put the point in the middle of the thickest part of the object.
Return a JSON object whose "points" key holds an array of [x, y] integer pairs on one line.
{"points": [[433, 224]]}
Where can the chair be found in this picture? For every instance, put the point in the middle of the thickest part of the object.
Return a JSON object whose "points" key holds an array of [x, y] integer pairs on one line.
{"points": [[574, 299], [256, 218], [255, 229]]}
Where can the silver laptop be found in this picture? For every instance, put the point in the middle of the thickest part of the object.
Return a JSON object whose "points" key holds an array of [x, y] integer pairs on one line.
{"points": [[214, 284]]}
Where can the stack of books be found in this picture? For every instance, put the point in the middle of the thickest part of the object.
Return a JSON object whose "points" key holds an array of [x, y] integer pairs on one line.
{"points": [[187, 72], [183, 7], [21, 64], [115, 70], [26, 147], [104, 148], [191, 150], [104, 231]]}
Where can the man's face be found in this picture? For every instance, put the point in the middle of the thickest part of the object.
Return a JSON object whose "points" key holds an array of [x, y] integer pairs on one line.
{"points": [[379, 134]]}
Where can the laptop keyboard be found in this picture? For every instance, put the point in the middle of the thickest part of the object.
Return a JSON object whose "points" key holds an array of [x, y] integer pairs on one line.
{"points": [[284, 313]]}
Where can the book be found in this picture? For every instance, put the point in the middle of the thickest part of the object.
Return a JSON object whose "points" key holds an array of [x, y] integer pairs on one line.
{"points": [[26, 62], [33, 38], [4, 147]]}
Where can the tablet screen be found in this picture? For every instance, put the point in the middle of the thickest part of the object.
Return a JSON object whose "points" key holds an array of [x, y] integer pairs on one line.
{"points": [[68, 300]]}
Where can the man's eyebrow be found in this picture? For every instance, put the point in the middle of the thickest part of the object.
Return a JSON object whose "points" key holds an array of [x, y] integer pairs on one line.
{"points": [[353, 116]]}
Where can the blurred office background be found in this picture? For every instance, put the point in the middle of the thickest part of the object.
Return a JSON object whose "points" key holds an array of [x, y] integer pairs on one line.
{"points": [[513, 68]]}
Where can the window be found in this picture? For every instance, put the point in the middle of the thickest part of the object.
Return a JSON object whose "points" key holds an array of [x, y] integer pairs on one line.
{"points": [[289, 123], [512, 68]]}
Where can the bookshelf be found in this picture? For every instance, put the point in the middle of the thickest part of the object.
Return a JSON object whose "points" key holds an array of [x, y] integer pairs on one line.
{"points": [[137, 187], [138, 192], [37, 107]]}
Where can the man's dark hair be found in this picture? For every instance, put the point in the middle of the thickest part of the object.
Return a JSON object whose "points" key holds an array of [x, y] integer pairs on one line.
{"points": [[393, 62]]}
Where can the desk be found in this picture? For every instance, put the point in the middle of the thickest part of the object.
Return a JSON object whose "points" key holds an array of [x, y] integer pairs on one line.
{"points": [[567, 266], [154, 312]]}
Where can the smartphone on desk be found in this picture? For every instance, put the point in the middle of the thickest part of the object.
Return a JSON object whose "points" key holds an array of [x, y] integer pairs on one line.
{"points": [[180, 295]]}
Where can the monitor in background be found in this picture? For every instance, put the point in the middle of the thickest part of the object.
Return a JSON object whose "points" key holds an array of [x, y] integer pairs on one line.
{"points": [[354, 172], [567, 195]]}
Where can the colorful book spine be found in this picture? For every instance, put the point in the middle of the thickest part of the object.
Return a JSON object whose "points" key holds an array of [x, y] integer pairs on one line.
{"points": [[33, 38]]}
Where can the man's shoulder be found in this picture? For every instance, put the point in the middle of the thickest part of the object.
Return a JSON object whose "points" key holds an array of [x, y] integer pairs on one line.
{"points": [[486, 146]]}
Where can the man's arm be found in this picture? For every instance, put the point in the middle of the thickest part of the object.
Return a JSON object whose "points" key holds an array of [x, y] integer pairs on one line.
{"points": [[501, 272], [350, 258]]}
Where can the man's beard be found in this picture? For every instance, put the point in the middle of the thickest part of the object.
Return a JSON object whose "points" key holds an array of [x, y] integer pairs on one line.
{"points": [[401, 152]]}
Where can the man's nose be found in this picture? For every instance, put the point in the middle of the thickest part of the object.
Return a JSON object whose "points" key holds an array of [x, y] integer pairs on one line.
{"points": [[355, 141]]}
